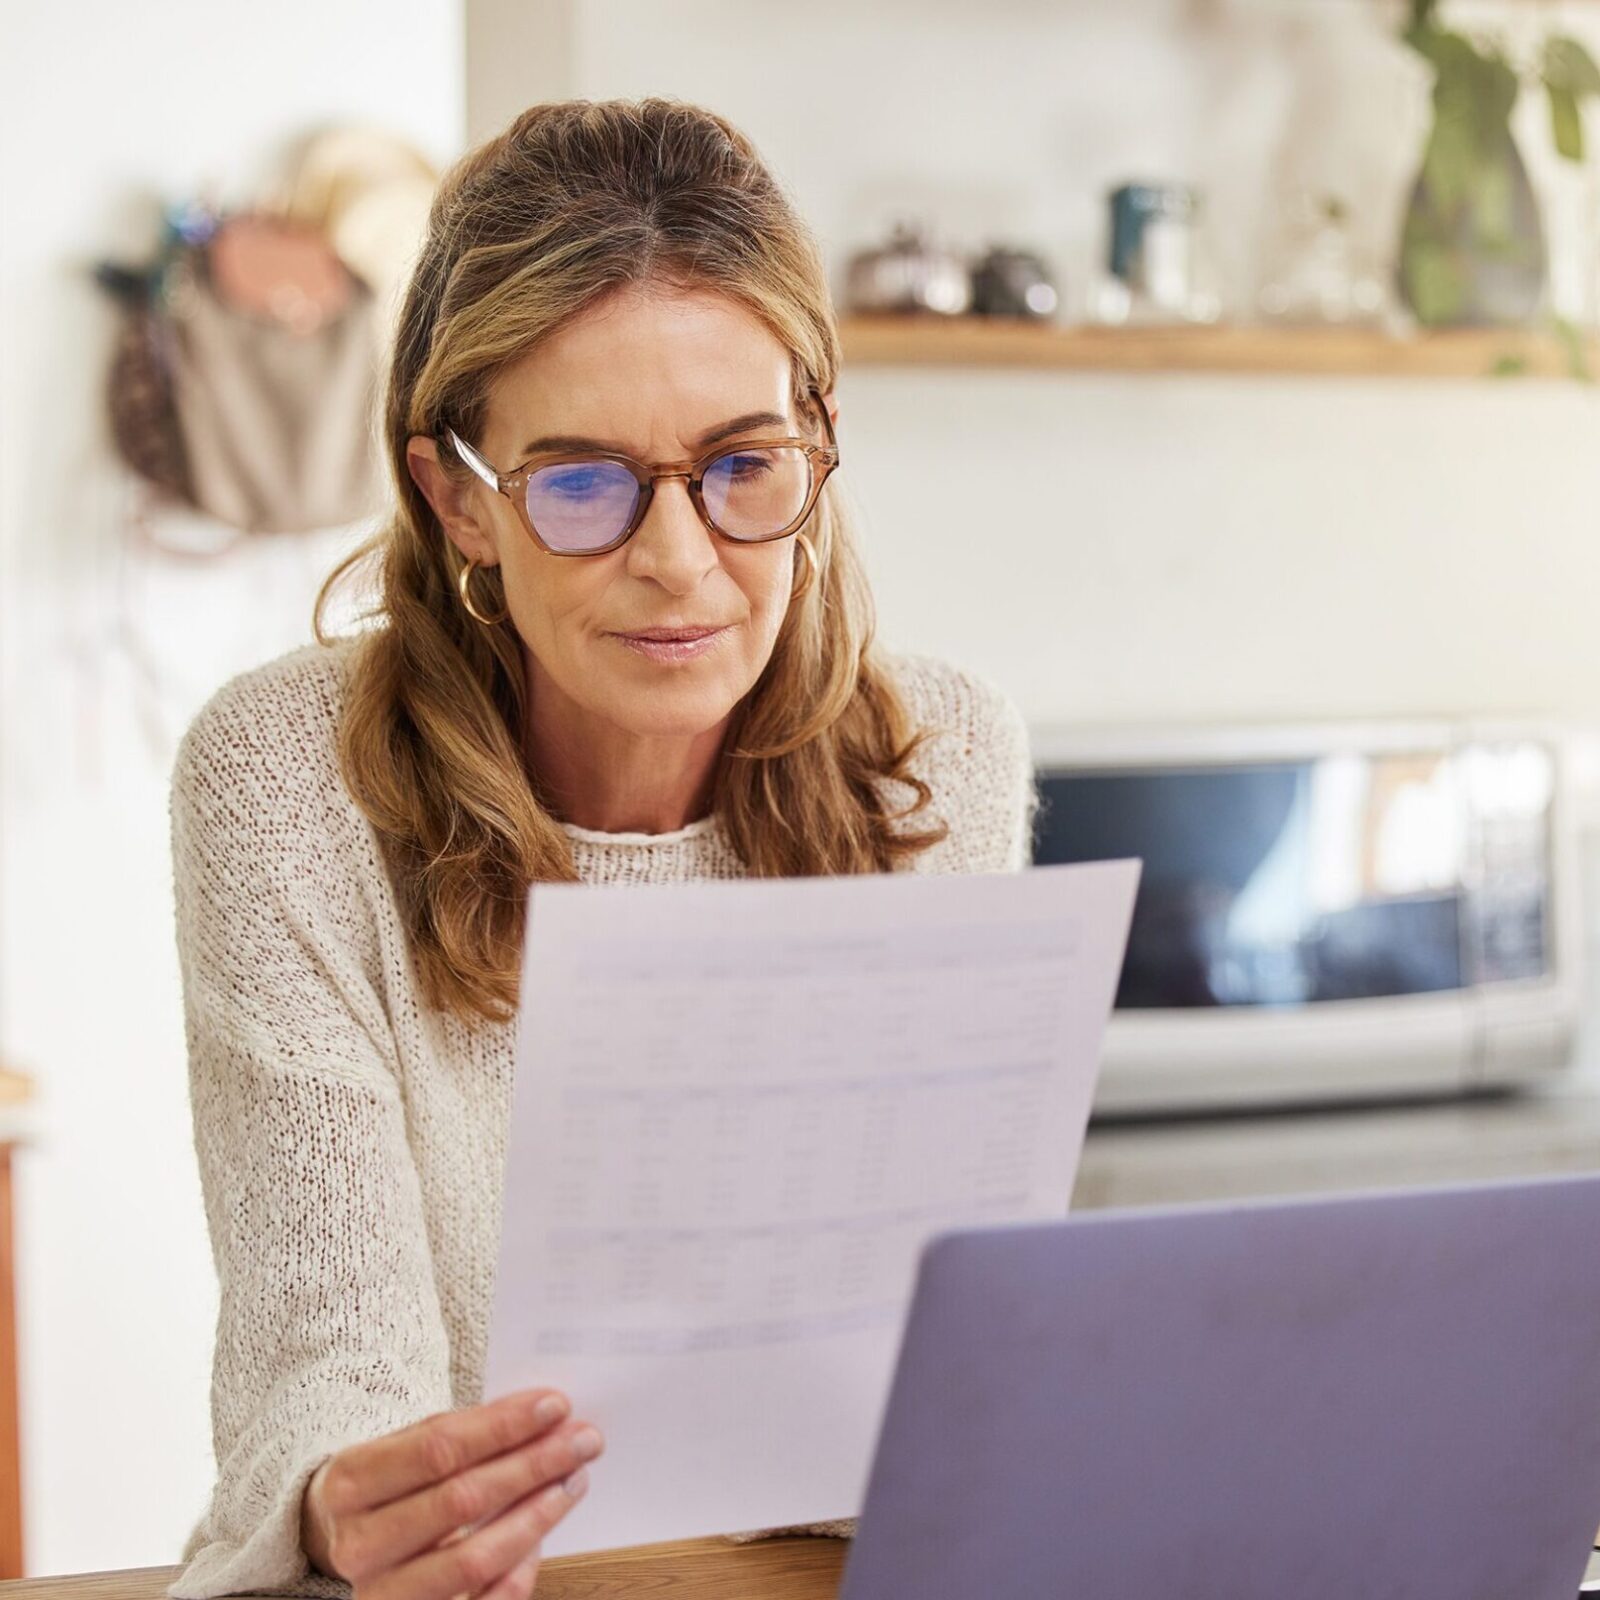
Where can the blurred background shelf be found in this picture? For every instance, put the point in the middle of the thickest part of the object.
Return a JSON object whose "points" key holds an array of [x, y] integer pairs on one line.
{"points": [[1314, 352]]}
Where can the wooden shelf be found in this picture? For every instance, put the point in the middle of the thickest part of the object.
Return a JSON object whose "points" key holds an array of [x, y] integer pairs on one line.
{"points": [[1312, 352]]}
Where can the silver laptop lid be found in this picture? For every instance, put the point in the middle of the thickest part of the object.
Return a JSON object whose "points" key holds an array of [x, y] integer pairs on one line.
{"points": [[1391, 1395]]}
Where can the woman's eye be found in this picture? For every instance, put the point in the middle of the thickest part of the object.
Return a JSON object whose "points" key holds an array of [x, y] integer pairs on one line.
{"points": [[577, 483], [748, 466]]}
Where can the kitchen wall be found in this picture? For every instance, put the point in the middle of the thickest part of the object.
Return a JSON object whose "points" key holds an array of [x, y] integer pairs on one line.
{"points": [[1117, 547], [105, 650], [1159, 546]]}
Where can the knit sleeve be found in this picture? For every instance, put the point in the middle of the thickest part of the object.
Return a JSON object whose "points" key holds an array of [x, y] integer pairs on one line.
{"points": [[977, 762], [329, 1328]]}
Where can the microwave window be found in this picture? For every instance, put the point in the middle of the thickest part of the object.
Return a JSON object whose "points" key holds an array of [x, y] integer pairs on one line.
{"points": [[1342, 878]]}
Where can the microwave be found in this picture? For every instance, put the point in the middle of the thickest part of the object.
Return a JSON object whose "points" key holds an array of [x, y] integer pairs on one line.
{"points": [[1327, 913]]}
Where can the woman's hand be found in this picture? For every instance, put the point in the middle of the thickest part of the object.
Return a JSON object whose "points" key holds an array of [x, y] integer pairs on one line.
{"points": [[454, 1505]]}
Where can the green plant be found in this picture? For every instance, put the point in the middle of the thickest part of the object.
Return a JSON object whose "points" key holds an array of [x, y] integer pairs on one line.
{"points": [[1468, 209]]}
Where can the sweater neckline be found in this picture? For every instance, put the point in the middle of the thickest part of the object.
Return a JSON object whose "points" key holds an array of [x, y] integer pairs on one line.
{"points": [[690, 830]]}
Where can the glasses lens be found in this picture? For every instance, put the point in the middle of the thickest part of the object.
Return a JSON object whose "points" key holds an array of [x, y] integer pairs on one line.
{"points": [[581, 505], [753, 494]]}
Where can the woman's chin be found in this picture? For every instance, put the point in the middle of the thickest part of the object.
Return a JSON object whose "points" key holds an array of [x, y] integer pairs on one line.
{"points": [[674, 708]]}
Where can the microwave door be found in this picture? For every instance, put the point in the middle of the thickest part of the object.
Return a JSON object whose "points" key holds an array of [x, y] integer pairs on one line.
{"points": [[1300, 929]]}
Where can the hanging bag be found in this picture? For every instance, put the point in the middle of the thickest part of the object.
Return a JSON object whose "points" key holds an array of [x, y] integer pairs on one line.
{"points": [[245, 375], [275, 355]]}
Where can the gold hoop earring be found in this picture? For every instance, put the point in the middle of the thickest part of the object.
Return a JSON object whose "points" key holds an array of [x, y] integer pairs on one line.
{"points": [[466, 598], [811, 568]]}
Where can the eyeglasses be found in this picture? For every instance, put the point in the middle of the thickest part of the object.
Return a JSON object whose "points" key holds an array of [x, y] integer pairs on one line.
{"points": [[586, 503]]}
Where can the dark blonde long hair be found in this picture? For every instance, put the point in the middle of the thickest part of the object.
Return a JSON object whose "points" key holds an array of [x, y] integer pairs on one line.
{"points": [[573, 201]]}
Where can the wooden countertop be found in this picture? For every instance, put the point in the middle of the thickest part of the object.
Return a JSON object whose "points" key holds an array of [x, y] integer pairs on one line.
{"points": [[700, 1569], [696, 1569]]}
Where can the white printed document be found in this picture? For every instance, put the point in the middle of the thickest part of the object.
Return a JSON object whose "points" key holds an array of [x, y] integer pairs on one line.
{"points": [[740, 1110]]}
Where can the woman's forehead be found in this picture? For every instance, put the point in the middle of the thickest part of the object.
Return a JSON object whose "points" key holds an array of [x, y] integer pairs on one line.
{"points": [[644, 373]]}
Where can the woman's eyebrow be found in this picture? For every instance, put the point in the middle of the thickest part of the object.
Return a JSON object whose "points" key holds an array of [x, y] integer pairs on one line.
{"points": [[724, 430]]}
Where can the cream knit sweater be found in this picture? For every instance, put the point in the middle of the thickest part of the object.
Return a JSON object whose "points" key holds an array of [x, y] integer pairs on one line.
{"points": [[351, 1141]]}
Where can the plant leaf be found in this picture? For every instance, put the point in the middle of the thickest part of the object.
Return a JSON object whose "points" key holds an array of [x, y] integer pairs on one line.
{"points": [[1448, 162], [1571, 341], [1569, 66], [1474, 90], [1566, 122], [1492, 200], [1494, 94], [1434, 282], [1427, 41]]}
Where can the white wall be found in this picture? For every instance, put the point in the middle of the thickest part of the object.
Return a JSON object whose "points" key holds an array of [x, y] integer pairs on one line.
{"points": [[1165, 548], [1158, 546], [1121, 548], [1153, 549], [105, 655]]}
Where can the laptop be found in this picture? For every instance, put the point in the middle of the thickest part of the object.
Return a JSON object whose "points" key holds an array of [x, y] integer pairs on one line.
{"points": [[1389, 1395]]}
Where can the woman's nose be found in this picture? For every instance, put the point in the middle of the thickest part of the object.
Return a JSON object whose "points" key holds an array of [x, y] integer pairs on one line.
{"points": [[672, 545]]}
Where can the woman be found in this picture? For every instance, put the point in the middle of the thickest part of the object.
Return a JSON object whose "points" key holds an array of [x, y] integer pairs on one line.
{"points": [[623, 637]]}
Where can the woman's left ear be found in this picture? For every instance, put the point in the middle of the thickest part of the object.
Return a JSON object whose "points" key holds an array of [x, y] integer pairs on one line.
{"points": [[454, 502]]}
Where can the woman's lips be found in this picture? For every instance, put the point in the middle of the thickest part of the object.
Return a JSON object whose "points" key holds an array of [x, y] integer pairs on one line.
{"points": [[672, 644]]}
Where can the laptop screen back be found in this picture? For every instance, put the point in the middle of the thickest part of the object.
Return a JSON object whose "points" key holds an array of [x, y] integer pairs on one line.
{"points": [[1393, 1395]]}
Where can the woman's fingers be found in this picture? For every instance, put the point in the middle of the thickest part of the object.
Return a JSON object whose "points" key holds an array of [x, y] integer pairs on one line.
{"points": [[517, 1584], [479, 1562], [383, 1537], [438, 1447]]}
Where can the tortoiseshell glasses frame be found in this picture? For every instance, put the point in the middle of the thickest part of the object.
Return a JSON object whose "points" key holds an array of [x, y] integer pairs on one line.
{"points": [[821, 459]]}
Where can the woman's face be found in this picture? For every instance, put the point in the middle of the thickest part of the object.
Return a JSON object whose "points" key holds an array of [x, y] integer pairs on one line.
{"points": [[654, 374]]}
